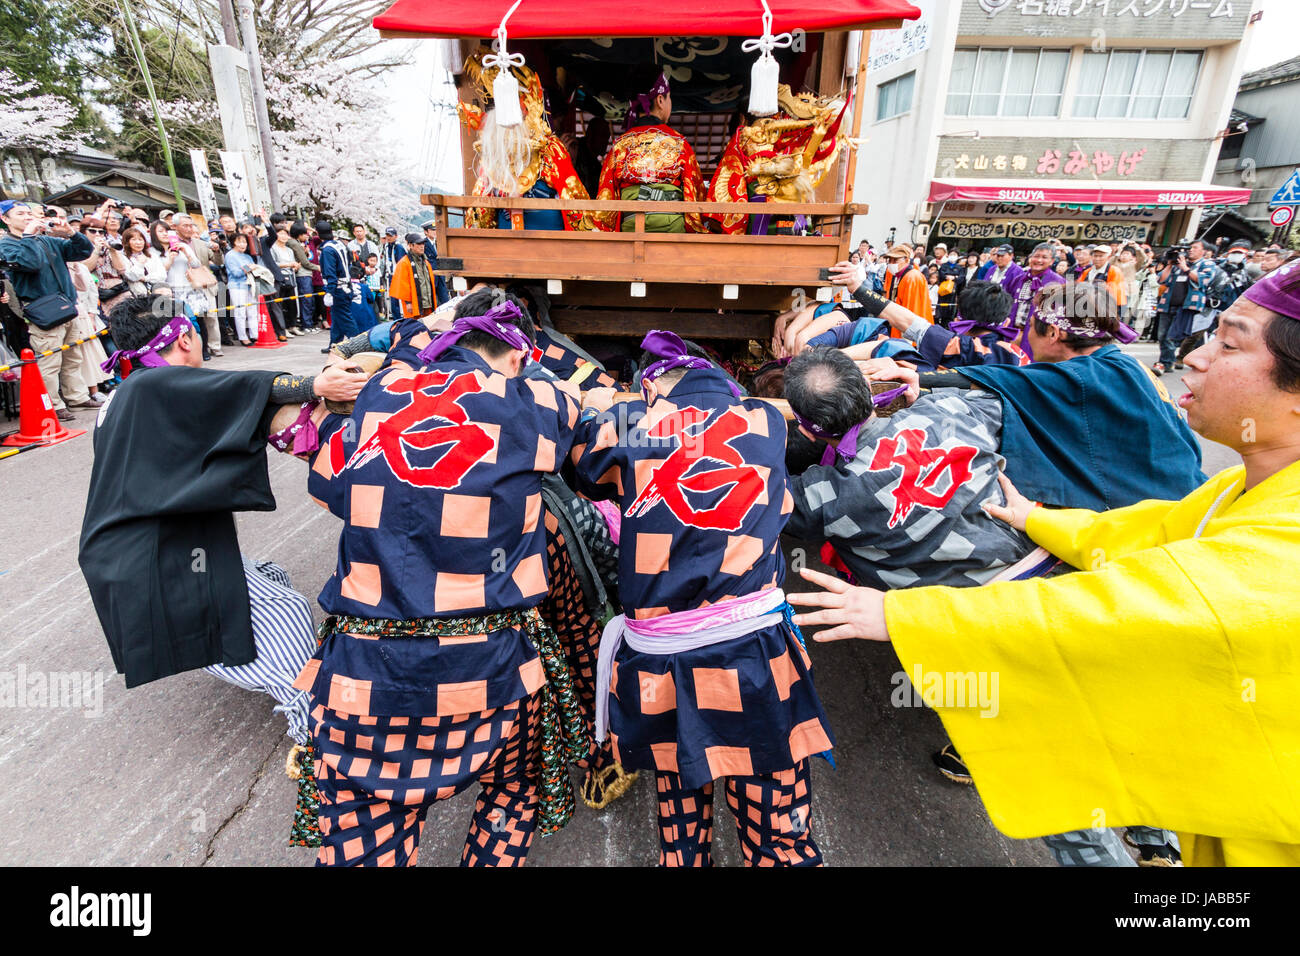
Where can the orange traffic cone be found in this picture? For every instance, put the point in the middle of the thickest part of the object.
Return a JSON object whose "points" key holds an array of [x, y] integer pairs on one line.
{"points": [[266, 338], [37, 423]]}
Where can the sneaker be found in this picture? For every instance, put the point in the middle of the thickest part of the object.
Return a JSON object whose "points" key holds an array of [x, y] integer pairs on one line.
{"points": [[325, 350], [1158, 369], [64, 415], [1178, 366], [217, 353], [950, 765]]}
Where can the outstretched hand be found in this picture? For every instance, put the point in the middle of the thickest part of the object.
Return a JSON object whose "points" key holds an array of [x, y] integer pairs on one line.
{"points": [[854, 612], [848, 274], [337, 384], [1016, 511], [886, 369]]}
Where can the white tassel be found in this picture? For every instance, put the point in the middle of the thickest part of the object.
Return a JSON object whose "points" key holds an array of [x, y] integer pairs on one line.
{"points": [[763, 80], [766, 73], [505, 88], [505, 97]]}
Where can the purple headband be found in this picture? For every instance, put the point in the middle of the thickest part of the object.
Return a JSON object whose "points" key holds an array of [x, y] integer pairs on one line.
{"points": [[504, 330], [147, 354], [1058, 318], [301, 437], [1272, 293], [643, 103], [1007, 333], [846, 445], [672, 354]]}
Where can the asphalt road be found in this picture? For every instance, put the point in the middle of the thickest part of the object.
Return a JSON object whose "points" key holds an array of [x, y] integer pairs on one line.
{"points": [[189, 770]]}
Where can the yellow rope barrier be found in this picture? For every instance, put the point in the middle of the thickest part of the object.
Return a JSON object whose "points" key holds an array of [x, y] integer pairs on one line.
{"points": [[63, 348]]}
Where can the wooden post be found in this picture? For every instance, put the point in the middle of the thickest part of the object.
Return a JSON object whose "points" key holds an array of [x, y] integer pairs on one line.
{"points": [[228, 27], [247, 21]]}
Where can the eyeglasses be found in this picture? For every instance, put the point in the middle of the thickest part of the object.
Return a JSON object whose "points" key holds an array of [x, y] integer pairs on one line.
{"points": [[92, 231]]}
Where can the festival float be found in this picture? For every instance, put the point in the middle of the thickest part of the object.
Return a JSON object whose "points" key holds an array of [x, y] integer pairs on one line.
{"points": [[765, 93]]}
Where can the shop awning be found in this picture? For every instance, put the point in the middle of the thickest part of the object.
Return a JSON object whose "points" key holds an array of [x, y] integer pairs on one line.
{"points": [[551, 19], [1095, 194]]}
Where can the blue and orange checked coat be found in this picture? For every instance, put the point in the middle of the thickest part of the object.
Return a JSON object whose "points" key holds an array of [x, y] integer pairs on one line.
{"points": [[567, 365], [437, 475], [700, 477]]}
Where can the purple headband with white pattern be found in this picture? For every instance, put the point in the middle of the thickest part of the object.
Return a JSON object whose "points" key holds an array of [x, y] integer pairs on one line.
{"points": [[505, 330], [643, 103], [147, 354], [673, 354], [1056, 316], [301, 436]]}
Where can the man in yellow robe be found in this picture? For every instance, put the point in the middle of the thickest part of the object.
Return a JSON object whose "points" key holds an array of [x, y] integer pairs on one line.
{"points": [[1202, 591]]}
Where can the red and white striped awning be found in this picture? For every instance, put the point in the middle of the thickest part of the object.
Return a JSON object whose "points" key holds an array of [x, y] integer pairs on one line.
{"points": [[1097, 194]]}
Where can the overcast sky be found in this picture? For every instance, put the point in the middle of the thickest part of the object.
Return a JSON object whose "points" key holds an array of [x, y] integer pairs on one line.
{"points": [[433, 137]]}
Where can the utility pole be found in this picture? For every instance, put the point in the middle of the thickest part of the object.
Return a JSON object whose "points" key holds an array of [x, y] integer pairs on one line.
{"points": [[138, 50], [259, 97], [228, 23]]}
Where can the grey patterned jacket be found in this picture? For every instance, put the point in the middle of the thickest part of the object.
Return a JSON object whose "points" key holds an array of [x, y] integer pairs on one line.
{"points": [[905, 511]]}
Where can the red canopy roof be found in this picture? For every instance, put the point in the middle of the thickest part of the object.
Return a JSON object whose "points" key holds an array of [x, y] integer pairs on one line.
{"points": [[537, 19]]}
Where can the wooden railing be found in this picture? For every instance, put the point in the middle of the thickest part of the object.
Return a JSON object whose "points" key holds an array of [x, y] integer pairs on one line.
{"points": [[819, 212]]}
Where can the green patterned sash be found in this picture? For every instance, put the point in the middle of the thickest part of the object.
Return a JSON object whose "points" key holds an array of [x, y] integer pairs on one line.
{"points": [[564, 732]]}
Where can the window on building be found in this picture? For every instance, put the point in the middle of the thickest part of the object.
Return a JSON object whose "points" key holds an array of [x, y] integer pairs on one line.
{"points": [[895, 97], [1137, 84], [1014, 82]]}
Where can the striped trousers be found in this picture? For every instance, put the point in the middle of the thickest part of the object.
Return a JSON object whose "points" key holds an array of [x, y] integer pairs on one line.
{"points": [[284, 639]]}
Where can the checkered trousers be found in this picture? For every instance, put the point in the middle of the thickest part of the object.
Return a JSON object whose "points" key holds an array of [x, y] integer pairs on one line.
{"points": [[773, 814], [378, 776], [743, 708], [565, 610]]}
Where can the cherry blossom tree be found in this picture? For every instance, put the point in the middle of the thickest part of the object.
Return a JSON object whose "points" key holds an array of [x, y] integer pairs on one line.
{"points": [[327, 128], [36, 122]]}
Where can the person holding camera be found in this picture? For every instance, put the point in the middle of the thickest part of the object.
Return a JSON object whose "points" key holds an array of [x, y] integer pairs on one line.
{"points": [[37, 250], [1186, 276]]}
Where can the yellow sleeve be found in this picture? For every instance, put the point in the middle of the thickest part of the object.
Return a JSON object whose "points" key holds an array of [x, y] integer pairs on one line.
{"points": [[1088, 539], [1147, 692]]}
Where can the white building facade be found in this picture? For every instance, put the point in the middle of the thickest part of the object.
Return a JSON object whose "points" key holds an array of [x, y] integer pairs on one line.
{"points": [[991, 121]]}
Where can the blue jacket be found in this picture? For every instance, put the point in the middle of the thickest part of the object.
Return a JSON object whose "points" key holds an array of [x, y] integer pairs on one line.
{"points": [[1198, 281], [1095, 432], [33, 267], [334, 266]]}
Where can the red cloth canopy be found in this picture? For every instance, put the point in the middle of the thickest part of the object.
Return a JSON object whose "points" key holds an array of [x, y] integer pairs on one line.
{"points": [[1119, 194], [539, 19]]}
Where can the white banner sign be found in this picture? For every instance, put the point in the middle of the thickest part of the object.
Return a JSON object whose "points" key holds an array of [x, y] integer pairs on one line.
{"points": [[203, 185], [236, 169], [893, 46], [238, 117]]}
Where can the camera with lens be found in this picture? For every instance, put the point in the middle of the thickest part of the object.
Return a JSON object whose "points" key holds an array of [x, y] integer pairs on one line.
{"points": [[1173, 253]]}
